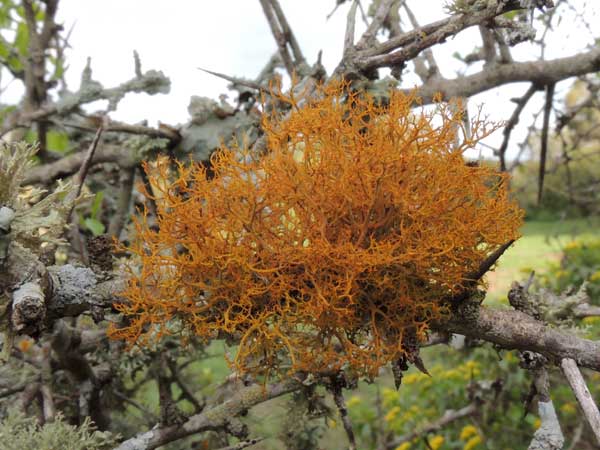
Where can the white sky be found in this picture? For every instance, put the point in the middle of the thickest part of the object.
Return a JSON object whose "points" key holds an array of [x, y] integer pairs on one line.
{"points": [[233, 37]]}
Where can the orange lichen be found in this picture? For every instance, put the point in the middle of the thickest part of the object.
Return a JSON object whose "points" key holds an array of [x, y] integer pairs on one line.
{"points": [[326, 251]]}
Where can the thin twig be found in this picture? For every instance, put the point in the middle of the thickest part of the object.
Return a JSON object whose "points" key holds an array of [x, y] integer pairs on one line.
{"points": [[288, 33], [512, 122], [48, 404], [68, 165], [185, 390], [472, 277], [15, 389], [417, 40], [544, 144], [380, 431], [239, 81], [119, 127], [448, 417], [279, 36], [243, 444], [433, 69], [582, 393], [363, 15], [576, 437], [126, 178], [79, 177], [378, 18], [149, 417], [338, 398], [489, 44], [505, 56], [350, 26]]}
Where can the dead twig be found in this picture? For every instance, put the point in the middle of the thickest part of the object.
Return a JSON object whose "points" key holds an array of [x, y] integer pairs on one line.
{"points": [[582, 393], [544, 144], [278, 34], [448, 417], [512, 122], [378, 18], [126, 179], [243, 444], [340, 402], [350, 26]]}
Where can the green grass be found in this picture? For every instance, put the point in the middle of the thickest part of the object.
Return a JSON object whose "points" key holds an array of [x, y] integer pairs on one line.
{"points": [[539, 247]]}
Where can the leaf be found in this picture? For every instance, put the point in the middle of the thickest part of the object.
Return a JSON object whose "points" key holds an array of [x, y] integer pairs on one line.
{"points": [[40, 14], [97, 204], [5, 15], [22, 39], [4, 50], [57, 141], [15, 63], [95, 226], [59, 69]]}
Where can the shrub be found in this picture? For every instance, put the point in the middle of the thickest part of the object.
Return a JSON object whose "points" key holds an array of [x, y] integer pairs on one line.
{"points": [[580, 263], [556, 201], [332, 250]]}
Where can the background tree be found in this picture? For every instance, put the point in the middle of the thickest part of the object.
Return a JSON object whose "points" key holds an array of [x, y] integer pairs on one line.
{"points": [[64, 284]]}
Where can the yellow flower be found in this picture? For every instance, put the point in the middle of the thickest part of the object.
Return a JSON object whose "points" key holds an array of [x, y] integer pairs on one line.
{"points": [[467, 432], [595, 276], [436, 442], [591, 320], [332, 424], [353, 401], [404, 446], [392, 413], [537, 423], [472, 443], [568, 408], [571, 245], [472, 364], [411, 378], [390, 395], [452, 373]]}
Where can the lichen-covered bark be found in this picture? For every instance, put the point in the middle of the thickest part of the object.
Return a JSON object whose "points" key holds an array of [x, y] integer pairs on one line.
{"points": [[516, 330], [211, 419]]}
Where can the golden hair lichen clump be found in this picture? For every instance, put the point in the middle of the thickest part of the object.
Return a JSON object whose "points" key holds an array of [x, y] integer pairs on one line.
{"points": [[328, 250]]}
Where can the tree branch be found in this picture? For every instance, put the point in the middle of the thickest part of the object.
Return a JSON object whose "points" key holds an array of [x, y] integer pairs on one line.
{"points": [[152, 82], [425, 37], [516, 330], [512, 122], [539, 72], [211, 419]]}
